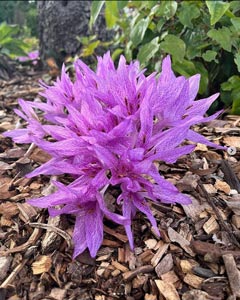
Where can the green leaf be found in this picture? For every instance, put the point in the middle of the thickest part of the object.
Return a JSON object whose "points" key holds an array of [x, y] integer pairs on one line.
{"points": [[188, 68], [236, 103], [232, 83], [15, 48], [222, 36], [150, 4], [185, 68], [122, 4], [111, 13], [89, 49], [236, 23], [234, 6], [237, 61], [128, 51], [210, 55], [187, 13], [95, 11], [7, 30], [203, 88], [116, 53], [160, 24], [217, 9], [139, 30], [175, 46], [147, 51], [167, 9]]}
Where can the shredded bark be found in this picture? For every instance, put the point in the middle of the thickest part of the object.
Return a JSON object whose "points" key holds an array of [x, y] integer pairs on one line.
{"points": [[196, 257]]}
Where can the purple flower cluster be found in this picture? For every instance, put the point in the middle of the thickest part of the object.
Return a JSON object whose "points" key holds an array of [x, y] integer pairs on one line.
{"points": [[107, 129], [32, 56]]}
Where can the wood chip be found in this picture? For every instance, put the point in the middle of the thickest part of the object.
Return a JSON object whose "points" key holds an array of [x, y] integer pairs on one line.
{"points": [[211, 226], [101, 269], [56, 230], [31, 241], [121, 255], [146, 256], [205, 248], [110, 243], [222, 186], [39, 156], [232, 273], [187, 265], [201, 147], [138, 281], [119, 266], [42, 264], [167, 290], [115, 273], [51, 239], [27, 211], [165, 265], [236, 221], [150, 297], [230, 176], [58, 294], [193, 280], [159, 254], [176, 237], [196, 295], [210, 189], [150, 243], [117, 235], [170, 277], [5, 263], [194, 209], [8, 209], [13, 274], [140, 270], [6, 193], [232, 141]]}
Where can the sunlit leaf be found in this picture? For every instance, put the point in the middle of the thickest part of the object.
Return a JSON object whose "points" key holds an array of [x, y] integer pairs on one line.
{"points": [[174, 45], [147, 51], [89, 49], [236, 23], [139, 30], [210, 55], [237, 60], [95, 11], [111, 13], [167, 9], [187, 13], [222, 36], [116, 53], [217, 9]]}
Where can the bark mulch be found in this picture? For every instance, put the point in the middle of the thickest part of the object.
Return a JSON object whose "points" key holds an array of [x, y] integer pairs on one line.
{"points": [[197, 256]]}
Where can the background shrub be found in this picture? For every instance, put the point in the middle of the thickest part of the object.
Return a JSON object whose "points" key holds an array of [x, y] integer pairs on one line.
{"points": [[201, 37]]}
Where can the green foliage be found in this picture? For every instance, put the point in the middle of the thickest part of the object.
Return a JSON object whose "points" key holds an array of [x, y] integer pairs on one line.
{"points": [[95, 11], [201, 37], [22, 13], [9, 43], [217, 9]]}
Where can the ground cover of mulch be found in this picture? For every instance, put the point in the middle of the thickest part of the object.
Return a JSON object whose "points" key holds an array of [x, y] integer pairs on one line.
{"points": [[197, 256]]}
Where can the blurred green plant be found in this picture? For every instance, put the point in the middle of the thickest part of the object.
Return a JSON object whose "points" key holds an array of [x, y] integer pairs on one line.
{"points": [[201, 37], [22, 13], [10, 43]]}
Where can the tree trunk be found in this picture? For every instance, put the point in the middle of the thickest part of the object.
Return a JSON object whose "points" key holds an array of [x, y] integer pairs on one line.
{"points": [[60, 22]]}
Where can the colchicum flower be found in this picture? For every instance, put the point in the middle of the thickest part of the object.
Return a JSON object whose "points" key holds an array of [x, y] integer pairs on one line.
{"points": [[107, 129], [32, 56]]}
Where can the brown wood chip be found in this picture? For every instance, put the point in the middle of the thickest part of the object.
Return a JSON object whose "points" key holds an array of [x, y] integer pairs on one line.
{"points": [[167, 290], [233, 273]]}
